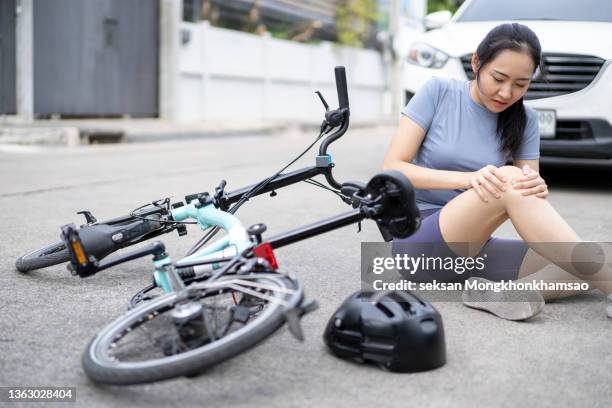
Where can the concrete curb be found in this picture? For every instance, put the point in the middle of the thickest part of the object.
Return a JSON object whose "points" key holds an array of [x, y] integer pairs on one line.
{"points": [[73, 133], [67, 136]]}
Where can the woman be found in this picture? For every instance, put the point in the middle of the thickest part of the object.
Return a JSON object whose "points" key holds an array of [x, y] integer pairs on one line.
{"points": [[453, 141]]}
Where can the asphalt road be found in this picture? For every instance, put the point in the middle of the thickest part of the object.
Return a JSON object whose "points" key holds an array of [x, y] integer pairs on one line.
{"points": [[563, 357]]}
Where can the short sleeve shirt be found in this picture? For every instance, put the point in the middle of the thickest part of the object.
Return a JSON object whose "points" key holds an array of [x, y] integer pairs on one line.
{"points": [[461, 135]]}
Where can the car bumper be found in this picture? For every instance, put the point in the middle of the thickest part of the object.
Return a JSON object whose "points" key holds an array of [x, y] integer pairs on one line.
{"points": [[600, 148]]}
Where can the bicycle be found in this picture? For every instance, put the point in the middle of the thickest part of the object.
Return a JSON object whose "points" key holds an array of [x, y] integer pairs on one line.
{"points": [[228, 296], [193, 325]]}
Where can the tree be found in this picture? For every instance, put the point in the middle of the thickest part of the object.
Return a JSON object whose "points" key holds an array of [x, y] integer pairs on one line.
{"points": [[437, 5], [355, 21]]}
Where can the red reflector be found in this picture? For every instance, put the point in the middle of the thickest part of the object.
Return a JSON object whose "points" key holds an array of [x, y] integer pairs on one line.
{"points": [[265, 251]]}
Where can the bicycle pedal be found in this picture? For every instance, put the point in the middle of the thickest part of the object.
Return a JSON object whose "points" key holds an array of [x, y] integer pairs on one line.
{"points": [[308, 306], [293, 321], [170, 346], [241, 314]]}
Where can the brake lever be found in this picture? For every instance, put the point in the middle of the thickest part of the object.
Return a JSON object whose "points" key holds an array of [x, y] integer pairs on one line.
{"points": [[323, 101], [333, 118], [162, 203], [220, 198]]}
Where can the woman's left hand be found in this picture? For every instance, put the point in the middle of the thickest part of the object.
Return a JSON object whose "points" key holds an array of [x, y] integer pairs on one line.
{"points": [[531, 183]]}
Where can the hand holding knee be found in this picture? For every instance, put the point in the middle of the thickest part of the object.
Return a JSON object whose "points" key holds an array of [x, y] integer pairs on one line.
{"points": [[531, 183], [488, 182]]}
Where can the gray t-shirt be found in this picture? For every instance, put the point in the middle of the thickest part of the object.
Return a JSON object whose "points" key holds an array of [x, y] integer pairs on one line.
{"points": [[460, 135]]}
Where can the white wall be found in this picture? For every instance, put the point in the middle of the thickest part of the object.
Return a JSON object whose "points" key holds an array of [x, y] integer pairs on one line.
{"points": [[227, 74]]}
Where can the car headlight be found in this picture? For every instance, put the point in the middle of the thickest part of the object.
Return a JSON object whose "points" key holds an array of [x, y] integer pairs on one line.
{"points": [[426, 56]]}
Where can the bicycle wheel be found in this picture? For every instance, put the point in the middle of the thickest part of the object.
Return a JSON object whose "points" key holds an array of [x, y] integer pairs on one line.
{"points": [[144, 345], [41, 258]]}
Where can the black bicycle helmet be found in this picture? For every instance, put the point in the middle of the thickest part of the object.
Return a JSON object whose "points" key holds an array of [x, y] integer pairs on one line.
{"points": [[395, 329]]}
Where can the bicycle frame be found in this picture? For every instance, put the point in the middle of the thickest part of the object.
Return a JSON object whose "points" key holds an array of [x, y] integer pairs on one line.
{"points": [[214, 259], [237, 241], [209, 212], [287, 179]]}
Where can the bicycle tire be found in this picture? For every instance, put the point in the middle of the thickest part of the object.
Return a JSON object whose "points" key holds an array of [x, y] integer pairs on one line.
{"points": [[100, 367], [41, 258]]}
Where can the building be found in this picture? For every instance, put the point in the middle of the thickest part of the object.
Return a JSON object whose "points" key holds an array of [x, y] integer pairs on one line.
{"points": [[118, 58]]}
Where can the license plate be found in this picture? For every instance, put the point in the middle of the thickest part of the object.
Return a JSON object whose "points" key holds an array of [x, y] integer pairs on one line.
{"points": [[547, 121]]}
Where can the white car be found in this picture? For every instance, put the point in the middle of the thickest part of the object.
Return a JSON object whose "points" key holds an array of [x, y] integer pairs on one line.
{"points": [[573, 99]]}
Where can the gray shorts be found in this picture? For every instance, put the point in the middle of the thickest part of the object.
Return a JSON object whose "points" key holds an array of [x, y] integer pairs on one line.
{"points": [[503, 259]]}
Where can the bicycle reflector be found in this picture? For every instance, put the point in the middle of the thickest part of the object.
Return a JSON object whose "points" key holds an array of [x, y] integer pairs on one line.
{"points": [[265, 251], [80, 263]]}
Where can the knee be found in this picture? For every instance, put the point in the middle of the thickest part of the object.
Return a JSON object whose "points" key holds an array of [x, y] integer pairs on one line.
{"points": [[509, 194], [510, 172]]}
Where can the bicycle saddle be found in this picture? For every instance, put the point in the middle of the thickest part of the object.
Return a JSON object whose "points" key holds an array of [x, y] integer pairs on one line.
{"points": [[399, 216]]}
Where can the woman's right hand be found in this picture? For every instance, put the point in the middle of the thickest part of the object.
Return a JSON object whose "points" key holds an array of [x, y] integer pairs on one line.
{"points": [[487, 181]]}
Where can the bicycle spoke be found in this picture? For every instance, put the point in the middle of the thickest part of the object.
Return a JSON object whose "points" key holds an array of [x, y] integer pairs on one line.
{"points": [[257, 294], [156, 335], [244, 282]]}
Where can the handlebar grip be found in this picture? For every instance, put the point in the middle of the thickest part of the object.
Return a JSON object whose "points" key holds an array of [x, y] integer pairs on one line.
{"points": [[341, 87]]}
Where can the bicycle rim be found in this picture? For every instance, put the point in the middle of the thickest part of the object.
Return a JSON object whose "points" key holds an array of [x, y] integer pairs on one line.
{"points": [[144, 345]]}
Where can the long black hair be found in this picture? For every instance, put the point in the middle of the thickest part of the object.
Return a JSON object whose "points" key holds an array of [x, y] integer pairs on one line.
{"points": [[511, 121]]}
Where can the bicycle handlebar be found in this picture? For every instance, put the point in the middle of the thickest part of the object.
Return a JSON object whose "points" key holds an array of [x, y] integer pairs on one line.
{"points": [[344, 112], [340, 120], [341, 87]]}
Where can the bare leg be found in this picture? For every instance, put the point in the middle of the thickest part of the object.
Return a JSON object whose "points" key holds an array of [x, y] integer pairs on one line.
{"points": [[467, 218], [537, 268]]}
